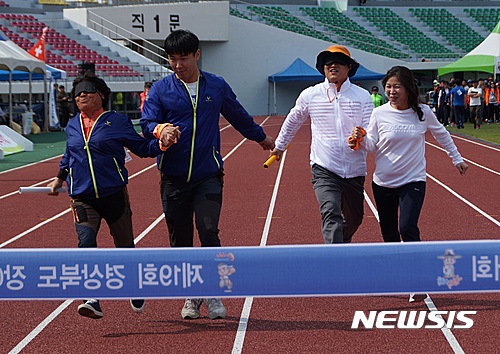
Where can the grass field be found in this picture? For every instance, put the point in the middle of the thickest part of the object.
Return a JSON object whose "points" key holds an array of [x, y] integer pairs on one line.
{"points": [[487, 132]]}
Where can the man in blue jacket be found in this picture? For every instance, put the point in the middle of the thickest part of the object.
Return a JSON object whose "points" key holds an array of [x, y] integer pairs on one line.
{"points": [[458, 101], [191, 166]]}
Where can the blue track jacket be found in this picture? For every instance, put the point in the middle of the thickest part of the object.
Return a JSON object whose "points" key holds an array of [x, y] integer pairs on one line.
{"points": [[196, 155], [96, 167]]}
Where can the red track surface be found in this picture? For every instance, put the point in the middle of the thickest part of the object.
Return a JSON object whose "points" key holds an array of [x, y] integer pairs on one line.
{"points": [[275, 325]]}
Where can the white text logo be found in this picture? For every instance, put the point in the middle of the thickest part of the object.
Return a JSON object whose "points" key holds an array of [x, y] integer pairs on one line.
{"points": [[413, 319]]}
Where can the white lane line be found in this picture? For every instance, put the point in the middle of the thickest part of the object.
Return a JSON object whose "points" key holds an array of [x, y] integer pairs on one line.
{"points": [[22, 344], [30, 164], [428, 301], [455, 346], [22, 234], [475, 142], [33, 185], [247, 306], [38, 329], [240, 143], [452, 340], [490, 218], [467, 160]]}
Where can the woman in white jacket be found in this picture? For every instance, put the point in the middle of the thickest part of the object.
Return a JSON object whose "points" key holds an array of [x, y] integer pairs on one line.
{"points": [[396, 134]]}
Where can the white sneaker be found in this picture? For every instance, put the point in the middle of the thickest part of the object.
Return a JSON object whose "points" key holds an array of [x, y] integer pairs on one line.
{"points": [[137, 305], [417, 297], [215, 308], [191, 309]]}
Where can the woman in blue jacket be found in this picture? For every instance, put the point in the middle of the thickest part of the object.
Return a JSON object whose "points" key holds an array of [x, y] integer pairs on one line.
{"points": [[93, 167]]}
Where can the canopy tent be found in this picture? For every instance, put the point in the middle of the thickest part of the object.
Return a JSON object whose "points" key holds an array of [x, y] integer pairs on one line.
{"points": [[482, 58], [18, 75], [15, 59], [300, 71], [297, 71]]}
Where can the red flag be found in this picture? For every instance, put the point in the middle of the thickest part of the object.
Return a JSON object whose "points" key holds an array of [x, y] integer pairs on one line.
{"points": [[38, 50]]}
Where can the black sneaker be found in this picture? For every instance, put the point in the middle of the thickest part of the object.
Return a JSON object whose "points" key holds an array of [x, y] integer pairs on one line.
{"points": [[137, 305], [417, 297], [91, 309]]}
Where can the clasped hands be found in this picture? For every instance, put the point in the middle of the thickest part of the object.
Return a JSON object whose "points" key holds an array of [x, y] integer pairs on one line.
{"points": [[167, 134]]}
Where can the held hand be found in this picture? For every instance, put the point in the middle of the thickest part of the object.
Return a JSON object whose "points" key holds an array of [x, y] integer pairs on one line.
{"points": [[356, 137], [358, 132], [169, 135], [267, 143], [54, 185], [277, 153], [352, 142], [462, 167]]}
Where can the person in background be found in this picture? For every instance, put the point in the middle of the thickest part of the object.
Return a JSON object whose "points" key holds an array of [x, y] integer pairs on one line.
{"points": [[144, 94], [475, 93], [62, 100], [491, 95], [377, 98], [396, 134], [97, 183], [443, 105], [4, 118], [192, 169], [458, 99], [334, 106]]}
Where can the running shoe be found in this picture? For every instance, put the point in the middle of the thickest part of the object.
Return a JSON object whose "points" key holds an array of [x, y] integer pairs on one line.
{"points": [[215, 308], [417, 297], [137, 305], [191, 309], [91, 308]]}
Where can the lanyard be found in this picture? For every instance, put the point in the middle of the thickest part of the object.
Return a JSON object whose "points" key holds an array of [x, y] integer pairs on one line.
{"points": [[195, 106]]}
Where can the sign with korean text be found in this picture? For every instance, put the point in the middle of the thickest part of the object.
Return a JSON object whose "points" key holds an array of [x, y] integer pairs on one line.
{"points": [[309, 270]]}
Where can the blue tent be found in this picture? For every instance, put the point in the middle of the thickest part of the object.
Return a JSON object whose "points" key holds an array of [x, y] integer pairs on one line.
{"points": [[297, 71], [18, 75], [300, 71]]}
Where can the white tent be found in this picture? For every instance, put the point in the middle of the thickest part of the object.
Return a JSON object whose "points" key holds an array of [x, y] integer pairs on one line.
{"points": [[485, 57], [13, 57]]}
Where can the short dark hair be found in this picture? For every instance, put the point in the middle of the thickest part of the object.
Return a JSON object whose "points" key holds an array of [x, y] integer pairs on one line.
{"points": [[98, 82], [181, 42], [375, 88]]}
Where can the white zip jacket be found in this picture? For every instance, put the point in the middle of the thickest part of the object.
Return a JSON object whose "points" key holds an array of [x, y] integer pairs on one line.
{"points": [[398, 139], [333, 115]]}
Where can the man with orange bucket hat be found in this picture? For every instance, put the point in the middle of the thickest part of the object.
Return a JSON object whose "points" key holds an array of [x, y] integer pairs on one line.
{"points": [[334, 106]]}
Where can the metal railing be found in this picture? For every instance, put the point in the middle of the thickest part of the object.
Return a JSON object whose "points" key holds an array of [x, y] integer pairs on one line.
{"points": [[147, 49]]}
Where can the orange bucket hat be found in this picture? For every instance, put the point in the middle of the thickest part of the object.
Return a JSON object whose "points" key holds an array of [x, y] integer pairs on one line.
{"points": [[336, 49]]}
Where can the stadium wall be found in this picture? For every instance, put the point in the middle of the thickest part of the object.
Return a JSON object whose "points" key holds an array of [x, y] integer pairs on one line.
{"points": [[255, 51]]}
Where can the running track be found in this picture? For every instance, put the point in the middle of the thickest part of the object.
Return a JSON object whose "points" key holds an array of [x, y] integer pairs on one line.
{"points": [[456, 208]]}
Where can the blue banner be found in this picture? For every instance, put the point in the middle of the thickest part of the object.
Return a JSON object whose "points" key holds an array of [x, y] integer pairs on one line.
{"points": [[305, 270]]}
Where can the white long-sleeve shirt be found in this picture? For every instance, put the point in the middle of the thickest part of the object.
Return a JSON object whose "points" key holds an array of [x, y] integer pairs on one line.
{"points": [[333, 115], [398, 139]]}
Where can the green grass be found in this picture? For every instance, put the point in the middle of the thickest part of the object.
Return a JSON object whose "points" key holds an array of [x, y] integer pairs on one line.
{"points": [[45, 145], [487, 132]]}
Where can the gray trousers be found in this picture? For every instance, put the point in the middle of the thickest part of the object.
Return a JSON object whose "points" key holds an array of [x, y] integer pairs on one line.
{"points": [[340, 204]]}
